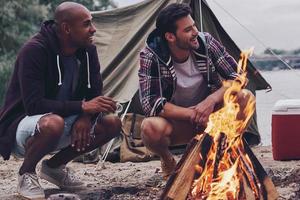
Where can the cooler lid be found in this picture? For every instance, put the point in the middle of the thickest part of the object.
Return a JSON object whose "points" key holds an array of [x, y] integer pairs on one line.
{"points": [[287, 105]]}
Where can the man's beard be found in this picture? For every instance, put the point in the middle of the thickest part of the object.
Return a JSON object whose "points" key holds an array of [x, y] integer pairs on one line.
{"points": [[186, 45], [80, 43]]}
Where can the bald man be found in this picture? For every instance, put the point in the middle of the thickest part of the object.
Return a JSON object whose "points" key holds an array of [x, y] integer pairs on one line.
{"points": [[53, 101]]}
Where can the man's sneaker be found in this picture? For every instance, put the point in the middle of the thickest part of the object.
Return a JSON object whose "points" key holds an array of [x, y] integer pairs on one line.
{"points": [[168, 167], [29, 186], [62, 176]]}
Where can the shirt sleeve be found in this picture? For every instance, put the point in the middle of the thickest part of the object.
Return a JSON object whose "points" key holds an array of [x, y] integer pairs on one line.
{"points": [[150, 92], [221, 59]]}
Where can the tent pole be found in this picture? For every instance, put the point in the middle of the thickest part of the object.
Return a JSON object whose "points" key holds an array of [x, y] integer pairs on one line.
{"points": [[201, 16]]}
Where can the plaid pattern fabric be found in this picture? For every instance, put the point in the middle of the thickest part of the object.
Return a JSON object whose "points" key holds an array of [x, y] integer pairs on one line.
{"points": [[157, 78], [151, 94]]}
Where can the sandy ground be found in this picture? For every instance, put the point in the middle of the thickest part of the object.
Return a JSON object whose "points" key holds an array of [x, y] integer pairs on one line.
{"points": [[143, 180]]}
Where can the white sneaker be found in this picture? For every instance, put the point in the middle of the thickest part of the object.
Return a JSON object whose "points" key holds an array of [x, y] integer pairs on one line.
{"points": [[29, 186], [62, 176]]}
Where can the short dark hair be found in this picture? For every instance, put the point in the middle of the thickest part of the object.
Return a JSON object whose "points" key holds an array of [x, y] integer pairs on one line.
{"points": [[166, 20]]}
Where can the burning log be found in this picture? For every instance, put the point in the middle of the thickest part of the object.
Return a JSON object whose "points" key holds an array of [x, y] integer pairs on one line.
{"points": [[178, 185], [218, 164], [221, 145], [254, 184], [270, 190]]}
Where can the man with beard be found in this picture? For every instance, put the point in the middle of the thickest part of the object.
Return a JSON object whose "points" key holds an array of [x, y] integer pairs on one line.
{"points": [[53, 101], [180, 76]]}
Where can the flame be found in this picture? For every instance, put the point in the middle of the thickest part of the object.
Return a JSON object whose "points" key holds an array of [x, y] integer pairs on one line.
{"points": [[222, 176]]}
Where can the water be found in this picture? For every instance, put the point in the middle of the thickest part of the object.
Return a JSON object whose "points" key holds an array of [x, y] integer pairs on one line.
{"points": [[286, 85]]}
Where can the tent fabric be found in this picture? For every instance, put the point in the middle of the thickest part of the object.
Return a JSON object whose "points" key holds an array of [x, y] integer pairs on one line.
{"points": [[213, 26], [121, 34]]}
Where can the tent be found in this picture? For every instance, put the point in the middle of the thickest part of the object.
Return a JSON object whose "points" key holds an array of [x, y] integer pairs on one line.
{"points": [[121, 34]]}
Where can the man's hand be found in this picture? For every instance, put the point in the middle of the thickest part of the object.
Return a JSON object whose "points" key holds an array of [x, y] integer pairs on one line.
{"points": [[202, 111], [81, 138], [99, 104]]}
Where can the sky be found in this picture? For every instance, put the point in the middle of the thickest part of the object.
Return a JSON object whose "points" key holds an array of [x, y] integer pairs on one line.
{"points": [[276, 23]]}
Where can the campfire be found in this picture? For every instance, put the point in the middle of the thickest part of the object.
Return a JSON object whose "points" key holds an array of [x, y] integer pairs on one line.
{"points": [[218, 164]]}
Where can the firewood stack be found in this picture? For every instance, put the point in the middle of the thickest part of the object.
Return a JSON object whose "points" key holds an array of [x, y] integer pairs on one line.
{"points": [[252, 180]]}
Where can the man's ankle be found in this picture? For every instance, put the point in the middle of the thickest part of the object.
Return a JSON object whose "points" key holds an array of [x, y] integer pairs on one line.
{"points": [[23, 171], [167, 157]]}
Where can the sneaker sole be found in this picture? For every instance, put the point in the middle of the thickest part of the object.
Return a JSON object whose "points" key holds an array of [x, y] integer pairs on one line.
{"points": [[27, 198], [53, 181]]}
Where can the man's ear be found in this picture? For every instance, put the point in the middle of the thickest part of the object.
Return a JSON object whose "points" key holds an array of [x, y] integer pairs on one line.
{"points": [[170, 37], [65, 28]]}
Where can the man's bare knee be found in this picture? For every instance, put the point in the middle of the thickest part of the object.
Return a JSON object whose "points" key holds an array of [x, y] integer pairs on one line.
{"points": [[155, 128], [244, 96], [246, 101], [51, 124], [112, 125]]}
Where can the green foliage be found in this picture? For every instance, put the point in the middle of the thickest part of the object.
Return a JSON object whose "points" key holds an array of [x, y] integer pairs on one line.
{"points": [[296, 52], [19, 20], [276, 51], [276, 64], [281, 52], [92, 5], [269, 65], [6, 63]]}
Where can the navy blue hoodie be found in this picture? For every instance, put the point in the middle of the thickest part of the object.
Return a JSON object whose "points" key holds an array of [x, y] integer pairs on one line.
{"points": [[36, 80]]}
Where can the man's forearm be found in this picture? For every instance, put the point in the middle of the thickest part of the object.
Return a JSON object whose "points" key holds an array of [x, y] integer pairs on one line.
{"points": [[218, 95], [171, 111]]}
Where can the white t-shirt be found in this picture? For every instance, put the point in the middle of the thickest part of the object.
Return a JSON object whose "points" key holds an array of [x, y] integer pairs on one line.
{"points": [[191, 87]]}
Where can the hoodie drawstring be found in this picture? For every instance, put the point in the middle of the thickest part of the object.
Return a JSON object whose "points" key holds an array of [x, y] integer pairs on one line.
{"points": [[88, 69], [59, 71]]}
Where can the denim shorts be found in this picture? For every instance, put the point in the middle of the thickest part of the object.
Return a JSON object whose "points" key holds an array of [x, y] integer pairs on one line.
{"points": [[27, 126]]}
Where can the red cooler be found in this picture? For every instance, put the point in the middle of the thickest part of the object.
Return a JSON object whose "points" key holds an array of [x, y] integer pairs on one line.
{"points": [[286, 130]]}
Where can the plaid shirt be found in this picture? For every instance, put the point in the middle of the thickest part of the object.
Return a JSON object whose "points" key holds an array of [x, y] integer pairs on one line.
{"points": [[157, 78]]}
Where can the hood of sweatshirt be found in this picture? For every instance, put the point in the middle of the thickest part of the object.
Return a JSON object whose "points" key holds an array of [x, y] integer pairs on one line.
{"points": [[158, 46], [50, 37]]}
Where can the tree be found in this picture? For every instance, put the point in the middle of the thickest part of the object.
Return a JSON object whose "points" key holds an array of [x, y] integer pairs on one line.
{"points": [[276, 51], [92, 5], [19, 20], [296, 52]]}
